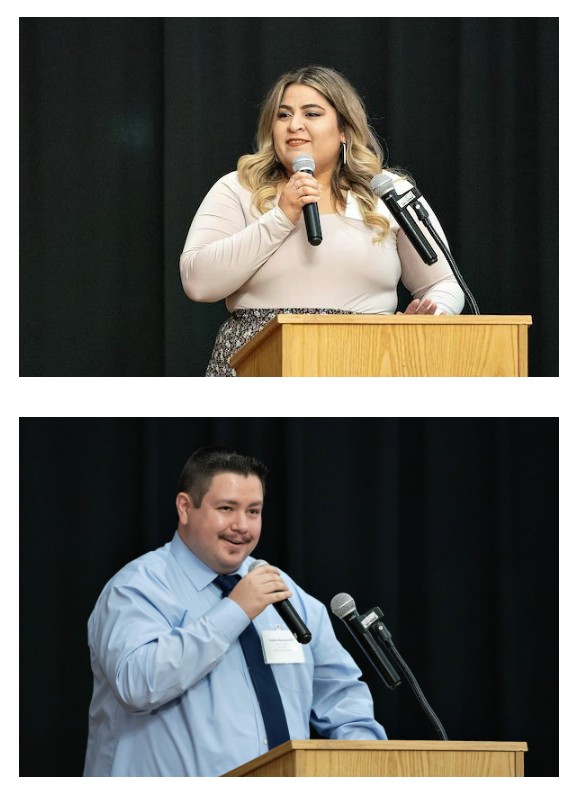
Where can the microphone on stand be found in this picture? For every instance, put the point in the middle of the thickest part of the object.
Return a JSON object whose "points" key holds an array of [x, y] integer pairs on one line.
{"points": [[343, 606], [287, 613], [305, 163], [368, 629], [382, 186]]}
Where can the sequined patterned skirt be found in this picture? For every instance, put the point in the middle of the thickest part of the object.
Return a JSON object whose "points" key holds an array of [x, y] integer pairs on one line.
{"points": [[242, 326]]}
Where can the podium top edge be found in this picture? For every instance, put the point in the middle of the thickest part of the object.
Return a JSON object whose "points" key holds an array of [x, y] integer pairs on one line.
{"points": [[402, 744], [402, 319]]}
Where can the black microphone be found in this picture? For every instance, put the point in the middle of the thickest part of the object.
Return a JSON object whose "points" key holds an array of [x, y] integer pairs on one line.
{"points": [[382, 186], [343, 606], [305, 163], [288, 614]]}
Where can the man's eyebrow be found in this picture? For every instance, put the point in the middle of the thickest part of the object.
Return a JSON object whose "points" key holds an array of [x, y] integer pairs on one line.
{"points": [[236, 502]]}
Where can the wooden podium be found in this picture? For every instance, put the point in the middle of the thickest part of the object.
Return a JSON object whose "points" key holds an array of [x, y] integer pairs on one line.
{"points": [[333, 758], [404, 345]]}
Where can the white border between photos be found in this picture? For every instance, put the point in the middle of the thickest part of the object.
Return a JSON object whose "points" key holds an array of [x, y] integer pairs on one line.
{"points": [[318, 8], [288, 397]]}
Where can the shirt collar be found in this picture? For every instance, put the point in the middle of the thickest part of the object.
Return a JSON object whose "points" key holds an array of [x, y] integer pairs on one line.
{"points": [[196, 570], [353, 211]]}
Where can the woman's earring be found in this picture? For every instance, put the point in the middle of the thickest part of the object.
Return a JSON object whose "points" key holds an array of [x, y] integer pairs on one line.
{"points": [[344, 146]]}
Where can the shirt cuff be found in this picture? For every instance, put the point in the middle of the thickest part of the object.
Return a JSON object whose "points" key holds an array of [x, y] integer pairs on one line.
{"points": [[276, 216], [229, 618]]}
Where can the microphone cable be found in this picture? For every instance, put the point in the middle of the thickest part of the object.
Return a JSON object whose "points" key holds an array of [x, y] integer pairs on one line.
{"points": [[384, 636], [423, 216], [374, 631]]}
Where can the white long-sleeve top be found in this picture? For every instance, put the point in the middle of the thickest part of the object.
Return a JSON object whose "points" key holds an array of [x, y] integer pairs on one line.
{"points": [[266, 261]]}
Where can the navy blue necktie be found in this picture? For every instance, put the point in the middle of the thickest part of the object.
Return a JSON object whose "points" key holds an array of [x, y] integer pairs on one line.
{"points": [[261, 675]]}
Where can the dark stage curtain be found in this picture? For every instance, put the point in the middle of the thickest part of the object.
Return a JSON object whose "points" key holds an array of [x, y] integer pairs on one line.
{"points": [[449, 525], [127, 122]]}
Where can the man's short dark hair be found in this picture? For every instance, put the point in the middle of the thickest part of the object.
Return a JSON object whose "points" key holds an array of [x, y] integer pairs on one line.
{"points": [[201, 467]]}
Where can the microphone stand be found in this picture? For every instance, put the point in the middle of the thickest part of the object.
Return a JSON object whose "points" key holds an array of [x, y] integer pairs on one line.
{"points": [[423, 216], [412, 198], [373, 619]]}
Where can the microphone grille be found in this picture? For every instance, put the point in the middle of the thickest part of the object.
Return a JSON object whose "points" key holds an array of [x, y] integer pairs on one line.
{"points": [[342, 604], [303, 162], [259, 563], [381, 184]]}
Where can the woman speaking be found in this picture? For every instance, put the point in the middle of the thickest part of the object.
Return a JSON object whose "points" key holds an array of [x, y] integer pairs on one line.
{"points": [[253, 244]]}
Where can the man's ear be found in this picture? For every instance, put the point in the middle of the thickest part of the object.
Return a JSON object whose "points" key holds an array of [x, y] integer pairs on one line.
{"points": [[183, 504]]}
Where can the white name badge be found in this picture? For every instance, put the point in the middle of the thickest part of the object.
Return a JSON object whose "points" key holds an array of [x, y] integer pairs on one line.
{"points": [[281, 647]]}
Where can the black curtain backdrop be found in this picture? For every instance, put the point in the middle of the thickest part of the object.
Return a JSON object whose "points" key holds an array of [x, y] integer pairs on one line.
{"points": [[127, 122], [449, 525]]}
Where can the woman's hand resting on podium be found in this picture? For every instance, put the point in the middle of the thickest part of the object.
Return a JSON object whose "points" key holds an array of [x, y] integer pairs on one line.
{"points": [[421, 307]]}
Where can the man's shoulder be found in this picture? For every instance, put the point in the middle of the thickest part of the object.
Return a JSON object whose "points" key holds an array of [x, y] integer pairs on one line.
{"points": [[150, 565]]}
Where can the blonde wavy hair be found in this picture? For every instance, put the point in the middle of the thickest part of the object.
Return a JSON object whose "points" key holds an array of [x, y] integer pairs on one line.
{"points": [[261, 172]]}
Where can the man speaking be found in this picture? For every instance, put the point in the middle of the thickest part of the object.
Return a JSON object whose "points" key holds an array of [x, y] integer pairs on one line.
{"points": [[195, 670]]}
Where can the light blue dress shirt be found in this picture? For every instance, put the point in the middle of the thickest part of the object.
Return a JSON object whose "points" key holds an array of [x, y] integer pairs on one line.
{"points": [[172, 693]]}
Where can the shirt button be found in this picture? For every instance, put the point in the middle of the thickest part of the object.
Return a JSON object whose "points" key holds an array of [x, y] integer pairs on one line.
{"points": [[265, 741]]}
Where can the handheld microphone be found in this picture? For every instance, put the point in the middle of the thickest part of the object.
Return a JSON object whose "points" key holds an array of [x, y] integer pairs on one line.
{"points": [[343, 606], [305, 163], [288, 614], [382, 186]]}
